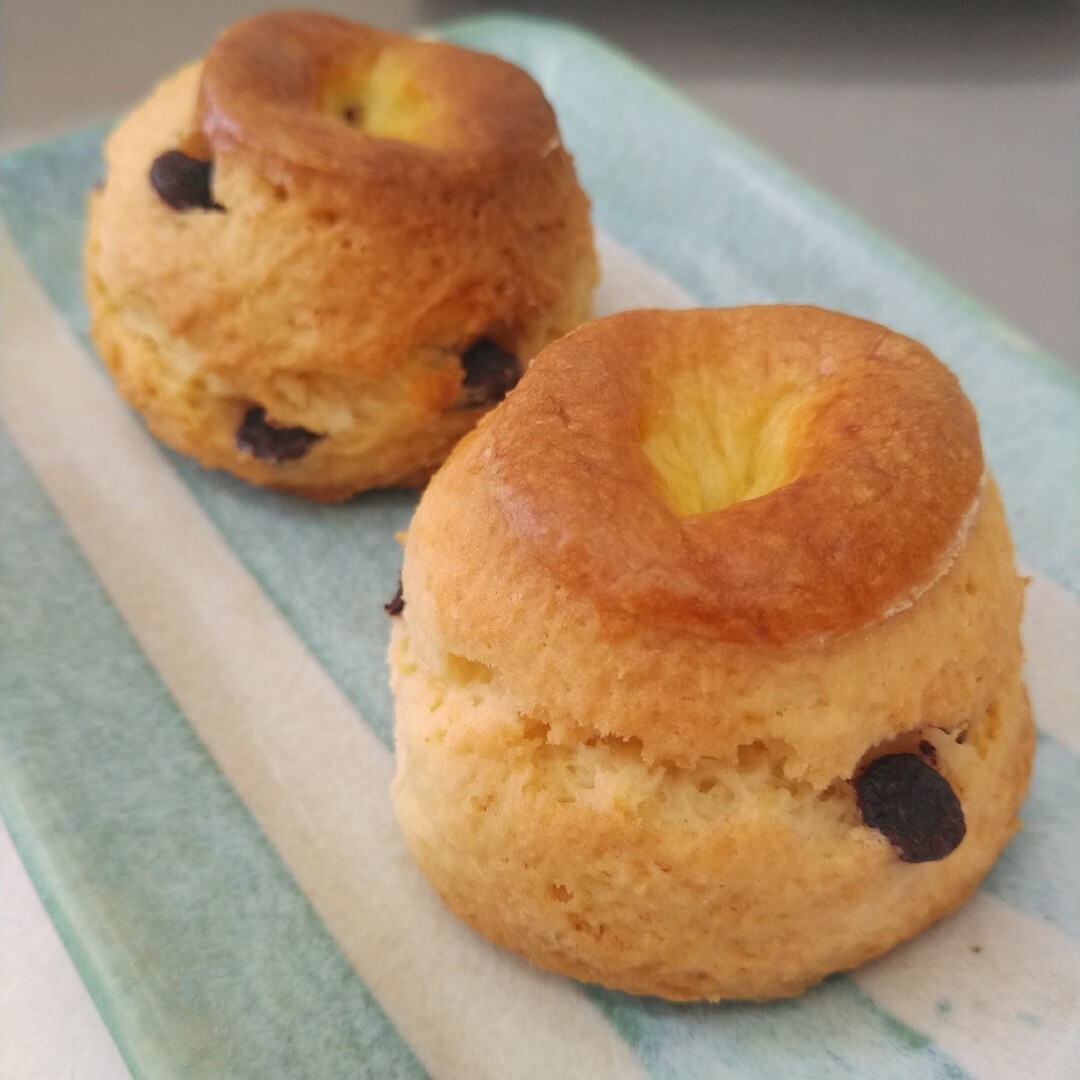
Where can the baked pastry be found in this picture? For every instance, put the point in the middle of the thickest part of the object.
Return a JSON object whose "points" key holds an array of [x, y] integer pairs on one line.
{"points": [[707, 665], [320, 255]]}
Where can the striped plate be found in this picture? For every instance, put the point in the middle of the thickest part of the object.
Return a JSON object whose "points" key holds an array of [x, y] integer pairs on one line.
{"points": [[195, 732]]}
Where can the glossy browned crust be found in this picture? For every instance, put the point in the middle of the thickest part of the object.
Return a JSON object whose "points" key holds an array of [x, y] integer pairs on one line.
{"points": [[884, 468], [262, 95], [683, 695]]}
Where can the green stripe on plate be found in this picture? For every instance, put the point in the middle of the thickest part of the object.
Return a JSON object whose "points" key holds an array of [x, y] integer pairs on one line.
{"points": [[202, 954]]}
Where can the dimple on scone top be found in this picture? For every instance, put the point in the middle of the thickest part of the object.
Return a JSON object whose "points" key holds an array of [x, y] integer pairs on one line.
{"points": [[708, 675], [766, 479]]}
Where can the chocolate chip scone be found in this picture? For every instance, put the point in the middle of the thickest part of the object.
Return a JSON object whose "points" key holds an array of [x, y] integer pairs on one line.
{"points": [[320, 255], [707, 665]]}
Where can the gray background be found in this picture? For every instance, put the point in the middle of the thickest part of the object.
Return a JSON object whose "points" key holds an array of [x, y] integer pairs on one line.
{"points": [[952, 127]]}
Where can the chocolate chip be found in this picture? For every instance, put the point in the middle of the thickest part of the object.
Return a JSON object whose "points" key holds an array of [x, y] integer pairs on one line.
{"points": [[267, 441], [183, 182], [397, 603], [912, 805], [490, 373]]}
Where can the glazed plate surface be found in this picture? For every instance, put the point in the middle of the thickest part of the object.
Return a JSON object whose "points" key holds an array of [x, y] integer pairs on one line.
{"points": [[195, 727]]}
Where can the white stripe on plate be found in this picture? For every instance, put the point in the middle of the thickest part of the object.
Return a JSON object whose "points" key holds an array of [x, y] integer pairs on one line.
{"points": [[997, 990], [296, 751], [1052, 641], [628, 282]]}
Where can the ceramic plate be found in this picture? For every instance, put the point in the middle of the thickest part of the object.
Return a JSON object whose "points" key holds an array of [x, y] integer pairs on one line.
{"points": [[195, 731]]}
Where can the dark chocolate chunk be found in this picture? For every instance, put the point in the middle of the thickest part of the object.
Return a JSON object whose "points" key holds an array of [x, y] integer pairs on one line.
{"points": [[183, 182], [490, 373], [267, 441], [397, 603], [912, 805]]}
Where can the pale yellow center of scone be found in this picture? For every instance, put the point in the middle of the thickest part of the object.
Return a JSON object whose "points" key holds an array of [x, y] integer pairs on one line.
{"points": [[713, 445], [381, 99]]}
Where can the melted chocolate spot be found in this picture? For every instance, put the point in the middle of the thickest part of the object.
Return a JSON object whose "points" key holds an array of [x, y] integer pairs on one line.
{"points": [[912, 805], [490, 373], [397, 603], [183, 182], [267, 441]]}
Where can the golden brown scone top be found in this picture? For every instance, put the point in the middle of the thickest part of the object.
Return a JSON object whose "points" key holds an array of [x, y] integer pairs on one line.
{"points": [[278, 86], [769, 474]]}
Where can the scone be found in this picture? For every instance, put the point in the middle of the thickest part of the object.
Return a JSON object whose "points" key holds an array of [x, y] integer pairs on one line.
{"points": [[320, 255], [707, 662]]}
